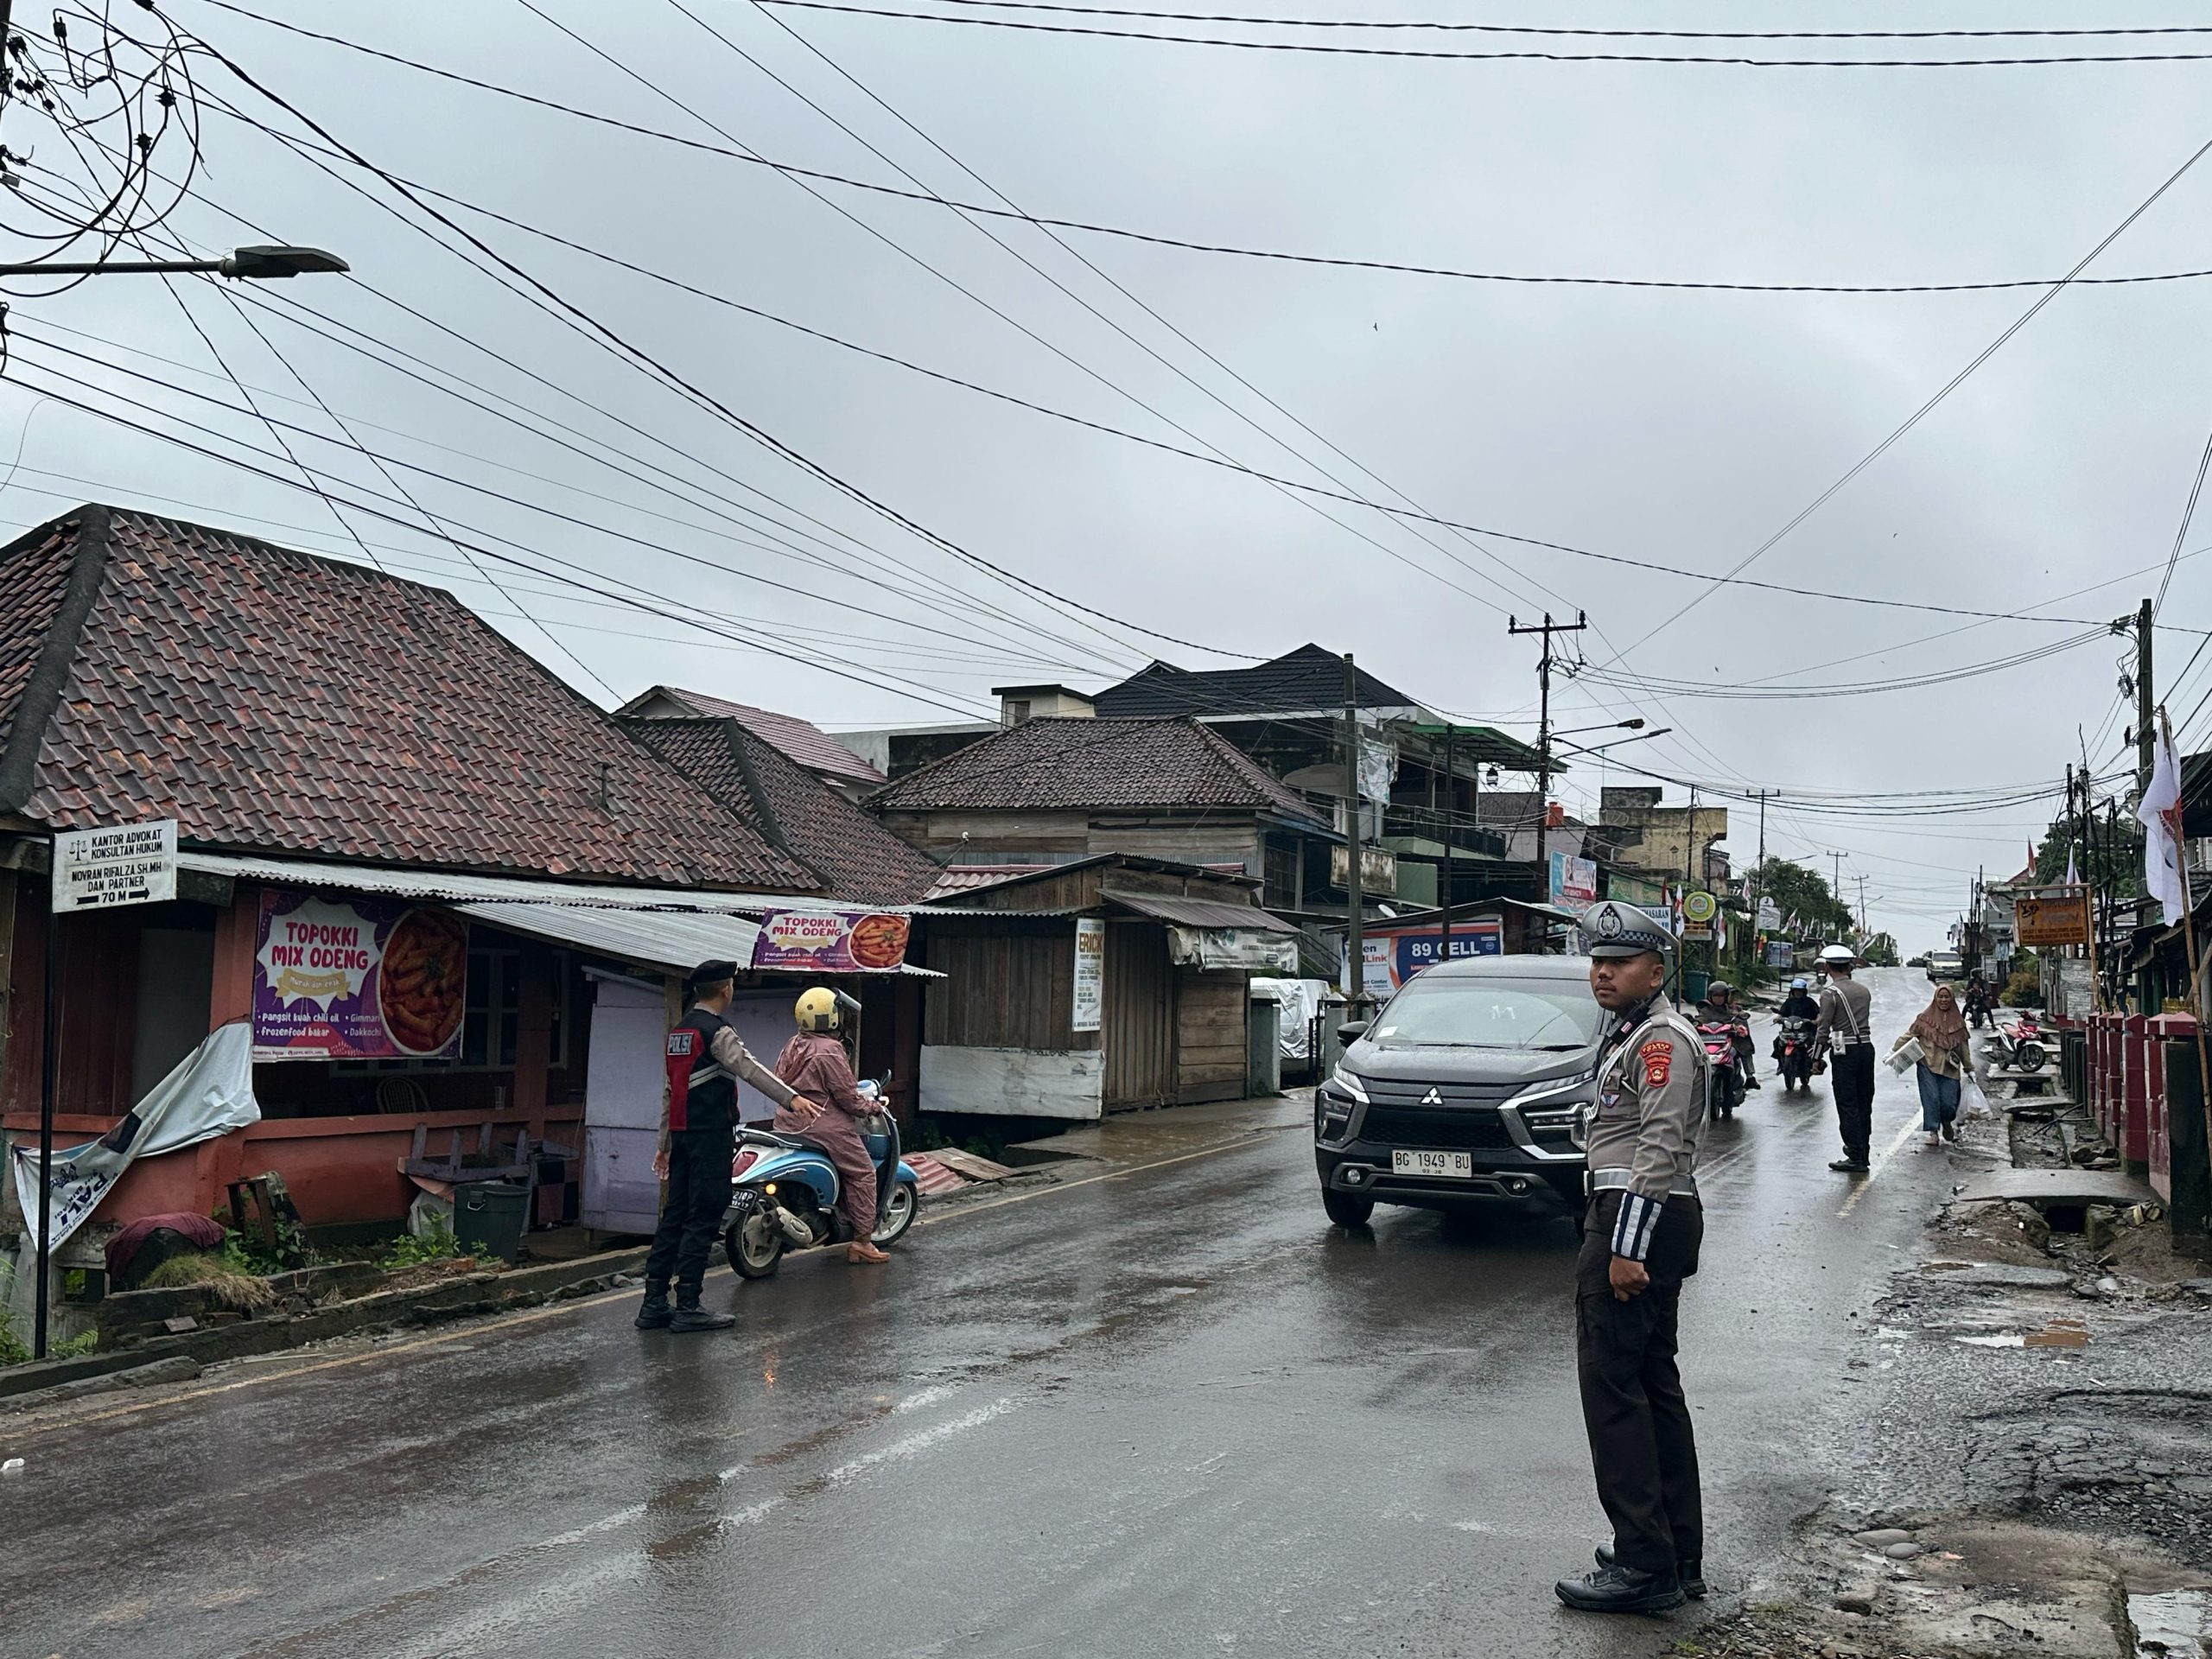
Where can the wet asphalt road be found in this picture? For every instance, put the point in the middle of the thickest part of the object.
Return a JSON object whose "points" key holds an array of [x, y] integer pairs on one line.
{"points": [[1171, 1413]]}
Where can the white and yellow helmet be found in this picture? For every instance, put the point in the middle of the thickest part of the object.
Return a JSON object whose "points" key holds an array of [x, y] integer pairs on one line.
{"points": [[819, 1008]]}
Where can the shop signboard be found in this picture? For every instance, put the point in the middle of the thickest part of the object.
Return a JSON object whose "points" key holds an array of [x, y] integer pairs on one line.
{"points": [[1090, 974], [2051, 918], [1779, 953], [1394, 958], [126, 864], [1378, 869], [366, 978], [1574, 882], [830, 942], [1769, 916], [1698, 908]]}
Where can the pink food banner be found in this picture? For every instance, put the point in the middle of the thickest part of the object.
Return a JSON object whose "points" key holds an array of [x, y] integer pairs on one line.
{"points": [[831, 941]]}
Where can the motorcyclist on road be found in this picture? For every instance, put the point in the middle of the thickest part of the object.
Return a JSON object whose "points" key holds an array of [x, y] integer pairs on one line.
{"points": [[814, 1063], [1977, 999], [1799, 1004], [1719, 1008]]}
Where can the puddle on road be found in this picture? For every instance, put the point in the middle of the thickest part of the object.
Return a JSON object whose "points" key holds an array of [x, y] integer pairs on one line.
{"points": [[2177, 1624]]}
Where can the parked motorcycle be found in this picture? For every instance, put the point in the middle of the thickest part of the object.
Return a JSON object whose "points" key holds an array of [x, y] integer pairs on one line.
{"points": [[1793, 1054], [784, 1190], [1725, 1090], [2019, 1045]]}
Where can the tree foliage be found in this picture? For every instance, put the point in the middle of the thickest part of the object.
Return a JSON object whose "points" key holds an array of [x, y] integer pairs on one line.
{"points": [[1804, 893], [2112, 862]]}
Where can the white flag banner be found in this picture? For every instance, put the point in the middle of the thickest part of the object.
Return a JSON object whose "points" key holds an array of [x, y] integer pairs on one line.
{"points": [[2072, 875], [2160, 813]]}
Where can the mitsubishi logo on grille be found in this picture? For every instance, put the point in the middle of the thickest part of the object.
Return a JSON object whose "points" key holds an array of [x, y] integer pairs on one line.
{"points": [[1432, 1098]]}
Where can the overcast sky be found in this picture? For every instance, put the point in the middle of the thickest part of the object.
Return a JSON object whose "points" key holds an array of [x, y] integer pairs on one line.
{"points": [[1678, 428]]}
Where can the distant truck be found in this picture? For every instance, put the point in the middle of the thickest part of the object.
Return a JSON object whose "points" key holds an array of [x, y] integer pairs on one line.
{"points": [[1945, 964]]}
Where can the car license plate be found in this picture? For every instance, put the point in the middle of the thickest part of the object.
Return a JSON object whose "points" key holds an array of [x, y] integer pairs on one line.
{"points": [[1459, 1164]]}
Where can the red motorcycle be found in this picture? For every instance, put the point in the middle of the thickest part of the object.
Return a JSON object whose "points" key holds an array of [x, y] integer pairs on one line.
{"points": [[1724, 1092], [1793, 1054], [2019, 1045]]}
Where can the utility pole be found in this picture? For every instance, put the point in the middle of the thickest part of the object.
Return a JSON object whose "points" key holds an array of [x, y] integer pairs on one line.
{"points": [[2145, 704], [1450, 828], [1862, 906], [1759, 870], [1356, 901], [1548, 628]]}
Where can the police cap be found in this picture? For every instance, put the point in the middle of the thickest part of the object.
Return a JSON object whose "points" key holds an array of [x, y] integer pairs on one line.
{"points": [[1615, 928], [713, 973]]}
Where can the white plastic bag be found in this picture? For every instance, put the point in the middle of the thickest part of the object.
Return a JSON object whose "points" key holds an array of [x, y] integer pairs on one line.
{"points": [[1972, 1101]]}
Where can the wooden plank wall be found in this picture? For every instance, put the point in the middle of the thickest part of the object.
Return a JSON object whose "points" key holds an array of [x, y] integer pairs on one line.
{"points": [[1010, 984], [1211, 1028], [1140, 1016]]}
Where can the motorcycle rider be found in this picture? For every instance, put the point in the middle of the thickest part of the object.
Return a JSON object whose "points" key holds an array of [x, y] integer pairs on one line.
{"points": [[1719, 1008], [814, 1061], [1977, 999], [1798, 1005]]}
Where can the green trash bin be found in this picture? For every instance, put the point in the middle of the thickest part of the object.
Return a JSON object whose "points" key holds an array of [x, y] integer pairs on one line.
{"points": [[1695, 982], [491, 1214]]}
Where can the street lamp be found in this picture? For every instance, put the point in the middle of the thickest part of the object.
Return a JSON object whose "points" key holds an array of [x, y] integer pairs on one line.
{"points": [[1636, 724], [1599, 748], [242, 263]]}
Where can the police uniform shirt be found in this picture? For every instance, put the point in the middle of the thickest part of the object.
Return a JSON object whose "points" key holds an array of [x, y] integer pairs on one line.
{"points": [[1649, 1111]]}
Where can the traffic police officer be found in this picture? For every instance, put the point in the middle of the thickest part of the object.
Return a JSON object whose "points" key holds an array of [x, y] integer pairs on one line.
{"points": [[698, 1111], [1639, 1241]]}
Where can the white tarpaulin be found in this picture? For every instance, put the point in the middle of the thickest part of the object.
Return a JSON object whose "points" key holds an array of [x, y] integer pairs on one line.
{"points": [[1300, 1001], [209, 1093]]}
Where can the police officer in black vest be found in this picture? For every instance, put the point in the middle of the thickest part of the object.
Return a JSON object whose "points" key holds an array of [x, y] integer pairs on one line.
{"points": [[698, 1113], [1640, 1239]]}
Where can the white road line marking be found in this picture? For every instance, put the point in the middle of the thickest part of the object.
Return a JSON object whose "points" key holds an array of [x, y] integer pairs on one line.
{"points": [[1905, 1132]]}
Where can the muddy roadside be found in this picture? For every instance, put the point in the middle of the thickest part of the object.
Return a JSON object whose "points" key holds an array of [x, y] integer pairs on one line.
{"points": [[2022, 1461]]}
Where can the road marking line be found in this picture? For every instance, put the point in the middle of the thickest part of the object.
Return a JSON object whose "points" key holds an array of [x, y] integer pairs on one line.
{"points": [[506, 1321], [1905, 1132]]}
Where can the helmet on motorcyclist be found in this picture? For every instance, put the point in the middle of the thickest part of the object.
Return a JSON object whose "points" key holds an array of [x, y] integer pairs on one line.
{"points": [[1720, 990], [1796, 984], [821, 1009]]}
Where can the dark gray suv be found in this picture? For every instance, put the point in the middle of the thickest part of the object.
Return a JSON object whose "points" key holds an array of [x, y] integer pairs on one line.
{"points": [[1466, 1087]]}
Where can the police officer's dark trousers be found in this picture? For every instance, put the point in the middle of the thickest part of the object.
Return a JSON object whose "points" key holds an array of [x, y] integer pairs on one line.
{"points": [[698, 1194], [1642, 1446], [1853, 1072]]}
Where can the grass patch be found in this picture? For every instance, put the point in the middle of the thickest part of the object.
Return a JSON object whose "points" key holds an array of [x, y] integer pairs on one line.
{"points": [[226, 1278]]}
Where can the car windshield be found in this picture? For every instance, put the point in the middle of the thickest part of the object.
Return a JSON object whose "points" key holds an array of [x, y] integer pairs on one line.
{"points": [[1469, 1013]]}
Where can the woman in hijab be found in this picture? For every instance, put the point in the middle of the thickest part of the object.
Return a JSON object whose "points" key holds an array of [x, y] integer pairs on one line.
{"points": [[1940, 1031]]}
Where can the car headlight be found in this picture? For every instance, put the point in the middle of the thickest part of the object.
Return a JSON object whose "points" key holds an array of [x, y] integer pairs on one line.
{"points": [[1551, 1088], [1351, 1086]]}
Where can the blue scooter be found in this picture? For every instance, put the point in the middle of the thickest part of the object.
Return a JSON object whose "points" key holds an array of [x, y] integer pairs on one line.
{"points": [[784, 1192]]}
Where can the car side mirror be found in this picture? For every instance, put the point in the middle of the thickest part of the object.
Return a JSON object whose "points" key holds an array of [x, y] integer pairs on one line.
{"points": [[1352, 1031]]}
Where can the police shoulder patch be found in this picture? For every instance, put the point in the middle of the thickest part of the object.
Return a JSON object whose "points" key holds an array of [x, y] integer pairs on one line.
{"points": [[1658, 1057], [683, 1042]]}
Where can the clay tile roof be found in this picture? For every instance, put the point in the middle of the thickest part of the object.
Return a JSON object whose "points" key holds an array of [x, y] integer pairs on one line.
{"points": [[802, 741], [275, 700], [853, 855], [1107, 763]]}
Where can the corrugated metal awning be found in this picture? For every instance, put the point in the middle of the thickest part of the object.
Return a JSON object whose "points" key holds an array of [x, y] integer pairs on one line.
{"points": [[666, 929], [1198, 912], [446, 887]]}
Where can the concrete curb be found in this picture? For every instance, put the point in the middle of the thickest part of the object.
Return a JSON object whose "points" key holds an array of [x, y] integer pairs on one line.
{"points": [[44, 1381]]}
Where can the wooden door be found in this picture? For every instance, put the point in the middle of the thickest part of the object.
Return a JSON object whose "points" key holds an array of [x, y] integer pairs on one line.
{"points": [[1140, 1016]]}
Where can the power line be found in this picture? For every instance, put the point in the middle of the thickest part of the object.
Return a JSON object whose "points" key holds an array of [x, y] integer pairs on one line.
{"points": [[1008, 211], [1598, 34], [1927, 408], [1525, 54]]}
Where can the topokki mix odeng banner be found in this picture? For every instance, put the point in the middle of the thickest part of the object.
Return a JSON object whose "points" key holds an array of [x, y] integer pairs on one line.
{"points": [[364, 979], [830, 942]]}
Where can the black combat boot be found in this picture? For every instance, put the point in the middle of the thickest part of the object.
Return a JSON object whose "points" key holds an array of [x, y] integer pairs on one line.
{"points": [[1691, 1573], [1618, 1589], [652, 1312], [689, 1316]]}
